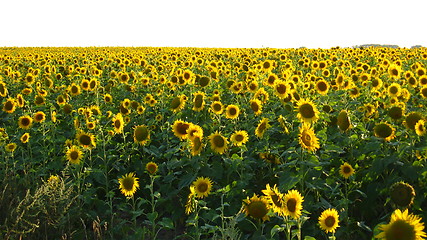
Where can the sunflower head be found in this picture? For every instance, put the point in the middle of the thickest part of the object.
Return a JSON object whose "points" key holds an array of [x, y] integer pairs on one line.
{"points": [[196, 145], [412, 119], [141, 134], [202, 187], [151, 168], [256, 207], [402, 194], [179, 129], [39, 117], [269, 157], [74, 154], [25, 138], [274, 198], [128, 184], [346, 170], [307, 111], [218, 143], [10, 147], [328, 220], [343, 121], [217, 107], [256, 106], [86, 140], [262, 127], [293, 204], [396, 112], [402, 225], [238, 138], [232, 111], [384, 131], [25, 122], [308, 139]]}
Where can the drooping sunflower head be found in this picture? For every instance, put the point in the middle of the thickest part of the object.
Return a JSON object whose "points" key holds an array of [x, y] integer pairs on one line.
{"points": [[343, 121], [151, 168], [25, 122], [396, 112], [293, 204], [196, 145], [179, 129], [256, 207], [274, 198], [238, 138], [178, 103], [328, 220], [74, 155], [141, 134], [128, 184], [262, 127], [198, 101], [346, 170], [307, 111], [384, 131], [232, 111], [412, 119], [402, 225], [256, 106], [202, 187], [308, 139], [218, 143], [402, 194]]}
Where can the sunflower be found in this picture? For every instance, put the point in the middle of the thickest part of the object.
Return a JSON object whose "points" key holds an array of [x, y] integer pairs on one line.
{"points": [[384, 131], [141, 134], [198, 101], [196, 145], [25, 137], [281, 89], [179, 129], [308, 139], [218, 142], [262, 95], [292, 201], [3, 89], [9, 106], [217, 107], [194, 130], [271, 79], [420, 128], [256, 207], [232, 111], [262, 127], [328, 220], [202, 187], [151, 168], [396, 112], [346, 170], [74, 155], [204, 81], [118, 123], [343, 121], [307, 111], [238, 138], [10, 147], [87, 140], [402, 225], [178, 103], [394, 71], [322, 87], [412, 119], [128, 184], [108, 98], [394, 90], [39, 117], [256, 106], [74, 89], [275, 198], [25, 122], [402, 194]]}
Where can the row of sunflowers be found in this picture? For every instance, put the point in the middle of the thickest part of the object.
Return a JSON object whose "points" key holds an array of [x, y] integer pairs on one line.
{"points": [[193, 143]]}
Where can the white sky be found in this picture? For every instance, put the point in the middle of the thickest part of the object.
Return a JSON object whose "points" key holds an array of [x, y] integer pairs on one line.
{"points": [[219, 23]]}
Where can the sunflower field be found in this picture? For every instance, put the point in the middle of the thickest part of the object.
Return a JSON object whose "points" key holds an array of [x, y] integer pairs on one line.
{"points": [[211, 143]]}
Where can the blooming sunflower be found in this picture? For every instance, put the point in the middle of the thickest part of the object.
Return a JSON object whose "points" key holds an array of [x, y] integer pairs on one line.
{"points": [[196, 145], [9, 106], [346, 170], [118, 123], [39, 117], [281, 89], [402, 194], [262, 127], [292, 201], [10, 147], [384, 131], [128, 184], [238, 138], [420, 128], [232, 111], [190, 205], [217, 107], [178, 103], [412, 119], [179, 129], [394, 90], [274, 198], [25, 138], [322, 87], [202, 187], [141, 134], [87, 140], [25, 122], [256, 207], [194, 130], [307, 111], [108, 98], [218, 142], [74, 155], [328, 220], [256, 106], [151, 168], [308, 139], [402, 225]]}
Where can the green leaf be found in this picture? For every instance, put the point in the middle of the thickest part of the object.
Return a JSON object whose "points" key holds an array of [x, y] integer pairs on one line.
{"points": [[276, 229], [166, 223]]}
